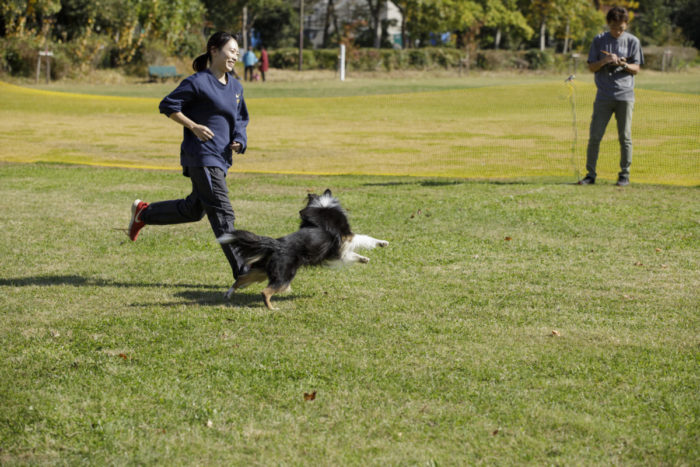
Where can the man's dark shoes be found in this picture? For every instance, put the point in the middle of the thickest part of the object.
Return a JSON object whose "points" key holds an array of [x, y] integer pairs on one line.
{"points": [[622, 181], [588, 180]]}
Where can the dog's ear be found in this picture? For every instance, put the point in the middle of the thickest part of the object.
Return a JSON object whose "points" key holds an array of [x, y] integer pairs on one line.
{"points": [[327, 192]]}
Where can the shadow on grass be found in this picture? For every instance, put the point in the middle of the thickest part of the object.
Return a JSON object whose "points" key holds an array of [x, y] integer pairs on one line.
{"points": [[80, 281], [248, 299], [448, 182], [203, 294], [419, 182]]}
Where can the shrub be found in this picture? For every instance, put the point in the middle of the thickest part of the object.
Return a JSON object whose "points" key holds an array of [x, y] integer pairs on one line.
{"points": [[539, 59], [18, 57], [289, 58], [679, 57], [327, 59], [418, 58]]}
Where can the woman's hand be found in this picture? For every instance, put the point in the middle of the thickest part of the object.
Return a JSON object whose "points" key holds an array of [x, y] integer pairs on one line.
{"points": [[202, 132]]}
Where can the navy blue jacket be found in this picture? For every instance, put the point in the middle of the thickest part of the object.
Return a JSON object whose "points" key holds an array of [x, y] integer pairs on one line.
{"points": [[220, 107]]}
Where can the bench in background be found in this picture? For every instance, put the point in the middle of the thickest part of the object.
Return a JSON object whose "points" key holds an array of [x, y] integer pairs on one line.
{"points": [[162, 73]]}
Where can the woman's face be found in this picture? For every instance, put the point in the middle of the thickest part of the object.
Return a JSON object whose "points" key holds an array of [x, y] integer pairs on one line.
{"points": [[225, 58]]}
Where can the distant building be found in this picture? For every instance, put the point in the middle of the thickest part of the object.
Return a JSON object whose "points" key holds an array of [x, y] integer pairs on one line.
{"points": [[347, 11]]}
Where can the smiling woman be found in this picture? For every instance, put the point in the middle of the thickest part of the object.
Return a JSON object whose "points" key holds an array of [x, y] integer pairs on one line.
{"points": [[210, 107]]}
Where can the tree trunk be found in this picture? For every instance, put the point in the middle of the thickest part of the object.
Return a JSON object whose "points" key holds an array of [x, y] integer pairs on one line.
{"points": [[375, 23], [327, 23], [497, 40], [404, 38], [543, 35], [566, 36]]}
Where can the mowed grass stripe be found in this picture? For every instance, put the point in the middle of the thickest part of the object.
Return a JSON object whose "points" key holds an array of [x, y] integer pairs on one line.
{"points": [[497, 132]]}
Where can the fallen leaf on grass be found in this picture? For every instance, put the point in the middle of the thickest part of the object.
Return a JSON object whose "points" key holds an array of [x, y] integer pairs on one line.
{"points": [[664, 266], [210, 424], [309, 396], [495, 432], [658, 250], [124, 356], [555, 333], [509, 239], [638, 263]]}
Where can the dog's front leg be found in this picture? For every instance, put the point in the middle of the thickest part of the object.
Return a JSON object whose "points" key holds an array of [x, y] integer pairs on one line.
{"points": [[353, 257], [367, 242]]}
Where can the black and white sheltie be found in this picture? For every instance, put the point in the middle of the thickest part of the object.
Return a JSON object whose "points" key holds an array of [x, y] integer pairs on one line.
{"points": [[324, 237]]}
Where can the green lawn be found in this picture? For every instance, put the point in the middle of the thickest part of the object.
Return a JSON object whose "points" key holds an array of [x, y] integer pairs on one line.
{"points": [[519, 131], [440, 351]]}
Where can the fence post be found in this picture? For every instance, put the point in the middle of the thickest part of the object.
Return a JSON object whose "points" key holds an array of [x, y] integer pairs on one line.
{"points": [[38, 66], [342, 62], [574, 58], [48, 54], [666, 60]]}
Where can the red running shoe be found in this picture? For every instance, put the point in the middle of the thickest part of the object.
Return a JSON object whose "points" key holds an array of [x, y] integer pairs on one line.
{"points": [[135, 224]]}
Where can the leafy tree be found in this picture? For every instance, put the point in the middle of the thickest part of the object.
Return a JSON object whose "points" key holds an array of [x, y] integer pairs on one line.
{"points": [[686, 16], [504, 17], [465, 18], [412, 20], [22, 18], [275, 20], [657, 21]]}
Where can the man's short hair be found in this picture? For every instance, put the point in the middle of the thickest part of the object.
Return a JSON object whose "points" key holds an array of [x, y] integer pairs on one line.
{"points": [[617, 14]]}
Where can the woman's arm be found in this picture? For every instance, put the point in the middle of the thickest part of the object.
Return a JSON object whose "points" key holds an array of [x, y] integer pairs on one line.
{"points": [[202, 132]]}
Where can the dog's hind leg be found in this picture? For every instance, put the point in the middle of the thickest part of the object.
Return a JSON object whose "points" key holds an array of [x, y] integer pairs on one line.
{"points": [[255, 275], [270, 290]]}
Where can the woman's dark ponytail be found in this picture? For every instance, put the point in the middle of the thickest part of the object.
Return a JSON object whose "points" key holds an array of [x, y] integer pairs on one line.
{"points": [[217, 40], [200, 63]]}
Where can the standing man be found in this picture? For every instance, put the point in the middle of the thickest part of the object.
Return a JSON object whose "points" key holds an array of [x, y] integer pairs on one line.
{"points": [[615, 57]]}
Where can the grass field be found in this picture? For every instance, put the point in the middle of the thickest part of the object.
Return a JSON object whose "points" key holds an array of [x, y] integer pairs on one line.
{"points": [[440, 351], [514, 318], [430, 128]]}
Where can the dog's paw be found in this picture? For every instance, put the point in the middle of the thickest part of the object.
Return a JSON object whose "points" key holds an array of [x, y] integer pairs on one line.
{"points": [[229, 293], [363, 259], [382, 243]]}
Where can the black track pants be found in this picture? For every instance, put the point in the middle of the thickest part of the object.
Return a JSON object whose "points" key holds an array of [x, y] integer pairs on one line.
{"points": [[209, 196]]}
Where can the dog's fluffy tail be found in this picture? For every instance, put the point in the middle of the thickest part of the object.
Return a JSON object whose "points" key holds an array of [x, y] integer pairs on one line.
{"points": [[251, 247]]}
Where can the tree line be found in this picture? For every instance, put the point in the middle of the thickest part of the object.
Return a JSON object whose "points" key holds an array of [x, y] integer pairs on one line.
{"points": [[116, 33]]}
